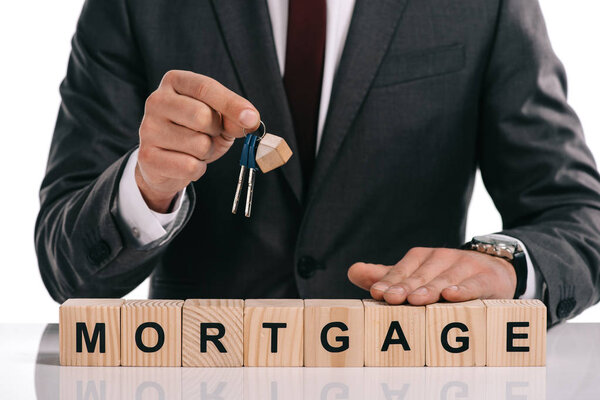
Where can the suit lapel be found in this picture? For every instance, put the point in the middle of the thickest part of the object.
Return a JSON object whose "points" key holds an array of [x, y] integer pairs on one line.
{"points": [[371, 30], [246, 28]]}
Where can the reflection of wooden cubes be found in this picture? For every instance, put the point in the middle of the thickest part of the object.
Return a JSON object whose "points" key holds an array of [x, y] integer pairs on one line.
{"points": [[458, 383], [141, 383], [90, 332], [336, 383], [212, 333], [273, 384], [81, 383], [456, 334], [151, 333], [213, 383], [273, 333], [272, 152], [333, 333], [525, 383], [516, 333], [394, 335], [381, 383]]}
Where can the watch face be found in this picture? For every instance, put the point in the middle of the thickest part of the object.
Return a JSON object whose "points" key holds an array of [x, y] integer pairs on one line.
{"points": [[499, 246]]}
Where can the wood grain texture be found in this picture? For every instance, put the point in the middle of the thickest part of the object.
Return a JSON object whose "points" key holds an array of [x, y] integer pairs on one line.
{"points": [[408, 321], [258, 340], [272, 152], [472, 315], [167, 314], [502, 312], [90, 312], [317, 315], [228, 313]]}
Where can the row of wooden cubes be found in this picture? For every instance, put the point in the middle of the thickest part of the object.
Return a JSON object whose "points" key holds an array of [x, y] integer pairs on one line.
{"points": [[311, 333]]}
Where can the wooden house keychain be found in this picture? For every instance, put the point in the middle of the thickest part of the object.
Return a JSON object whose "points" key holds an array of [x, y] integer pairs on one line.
{"points": [[261, 150]]}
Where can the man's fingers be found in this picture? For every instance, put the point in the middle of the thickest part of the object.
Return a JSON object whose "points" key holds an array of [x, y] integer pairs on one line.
{"points": [[169, 164], [409, 263], [170, 136], [365, 275], [191, 113], [431, 292], [237, 112], [427, 271], [475, 287]]}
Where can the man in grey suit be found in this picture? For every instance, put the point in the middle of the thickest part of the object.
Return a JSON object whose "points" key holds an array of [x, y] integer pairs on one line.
{"points": [[390, 106]]}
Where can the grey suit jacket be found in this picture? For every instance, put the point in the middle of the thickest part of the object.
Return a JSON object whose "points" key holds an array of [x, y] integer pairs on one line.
{"points": [[426, 92]]}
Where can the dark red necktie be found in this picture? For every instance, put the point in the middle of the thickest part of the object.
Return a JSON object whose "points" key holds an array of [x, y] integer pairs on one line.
{"points": [[303, 74]]}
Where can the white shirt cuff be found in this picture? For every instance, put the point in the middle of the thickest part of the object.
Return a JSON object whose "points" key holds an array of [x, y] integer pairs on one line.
{"points": [[533, 290], [145, 224]]}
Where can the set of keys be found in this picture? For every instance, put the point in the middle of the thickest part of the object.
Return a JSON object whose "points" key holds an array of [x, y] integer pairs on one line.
{"points": [[261, 150]]}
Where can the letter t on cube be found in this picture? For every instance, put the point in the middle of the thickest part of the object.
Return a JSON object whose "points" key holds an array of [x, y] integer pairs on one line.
{"points": [[273, 332], [90, 332]]}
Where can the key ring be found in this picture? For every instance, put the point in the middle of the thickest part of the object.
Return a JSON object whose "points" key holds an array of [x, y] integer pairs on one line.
{"points": [[264, 130]]}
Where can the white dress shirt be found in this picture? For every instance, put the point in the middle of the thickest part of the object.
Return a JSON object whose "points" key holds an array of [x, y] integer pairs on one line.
{"points": [[148, 226]]}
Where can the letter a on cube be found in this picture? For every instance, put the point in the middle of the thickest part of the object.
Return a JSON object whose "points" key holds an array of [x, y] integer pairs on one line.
{"points": [[456, 334], [516, 333], [151, 333], [89, 332], [334, 333], [212, 333], [394, 335]]}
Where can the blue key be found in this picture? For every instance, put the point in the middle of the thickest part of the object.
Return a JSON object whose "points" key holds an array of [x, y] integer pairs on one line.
{"points": [[247, 161]]}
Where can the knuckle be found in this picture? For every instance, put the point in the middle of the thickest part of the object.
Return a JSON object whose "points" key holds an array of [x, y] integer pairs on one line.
{"points": [[169, 77], [443, 252], [144, 154], [204, 87], [204, 144], [418, 279], [201, 116], [153, 101], [190, 166], [417, 251], [147, 128]]}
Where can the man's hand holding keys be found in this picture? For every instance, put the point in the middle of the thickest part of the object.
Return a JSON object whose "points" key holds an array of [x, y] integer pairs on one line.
{"points": [[190, 121]]}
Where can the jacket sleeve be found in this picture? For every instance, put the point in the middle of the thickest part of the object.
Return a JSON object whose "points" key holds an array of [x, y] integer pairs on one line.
{"points": [[82, 250], [535, 163]]}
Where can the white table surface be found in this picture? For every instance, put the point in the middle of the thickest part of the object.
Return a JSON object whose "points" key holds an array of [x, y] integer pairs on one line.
{"points": [[29, 369]]}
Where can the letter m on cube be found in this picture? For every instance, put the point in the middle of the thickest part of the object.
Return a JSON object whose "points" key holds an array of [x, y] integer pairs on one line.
{"points": [[90, 332]]}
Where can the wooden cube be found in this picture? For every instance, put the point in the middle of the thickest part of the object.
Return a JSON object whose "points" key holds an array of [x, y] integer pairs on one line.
{"points": [[334, 333], [516, 333], [273, 333], [456, 334], [151, 333], [90, 332], [212, 333], [394, 335], [272, 152]]}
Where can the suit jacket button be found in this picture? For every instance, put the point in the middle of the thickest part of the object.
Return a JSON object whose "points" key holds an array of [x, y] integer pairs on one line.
{"points": [[565, 306], [307, 266], [98, 252]]}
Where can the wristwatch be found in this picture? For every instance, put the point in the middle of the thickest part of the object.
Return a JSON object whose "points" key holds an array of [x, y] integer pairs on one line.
{"points": [[510, 250]]}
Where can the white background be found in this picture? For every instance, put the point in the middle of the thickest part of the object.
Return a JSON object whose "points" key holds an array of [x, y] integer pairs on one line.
{"points": [[35, 43]]}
